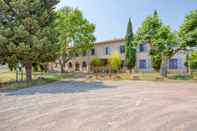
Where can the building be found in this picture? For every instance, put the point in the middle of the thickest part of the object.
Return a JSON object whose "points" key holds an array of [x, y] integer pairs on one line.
{"points": [[103, 49]]}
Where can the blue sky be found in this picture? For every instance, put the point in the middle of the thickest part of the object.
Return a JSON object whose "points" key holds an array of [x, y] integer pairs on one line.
{"points": [[111, 16]]}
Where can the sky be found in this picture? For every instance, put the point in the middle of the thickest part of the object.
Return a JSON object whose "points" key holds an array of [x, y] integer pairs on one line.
{"points": [[111, 16]]}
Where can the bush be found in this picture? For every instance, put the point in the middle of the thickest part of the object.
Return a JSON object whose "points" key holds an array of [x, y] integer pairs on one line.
{"points": [[180, 77], [95, 63], [115, 61]]}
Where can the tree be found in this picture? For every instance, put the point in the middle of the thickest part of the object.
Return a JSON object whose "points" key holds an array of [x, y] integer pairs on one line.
{"points": [[25, 33], [191, 61], [75, 33], [147, 33], [164, 44], [95, 63], [188, 35], [130, 52], [114, 61], [149, 29], [161, 40], [188, 31]]}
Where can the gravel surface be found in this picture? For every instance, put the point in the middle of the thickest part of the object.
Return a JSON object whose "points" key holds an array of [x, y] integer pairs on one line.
{"points": [[101, 106]]}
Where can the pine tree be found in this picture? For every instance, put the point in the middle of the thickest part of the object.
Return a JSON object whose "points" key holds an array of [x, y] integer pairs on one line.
{"points": [[130, 52], [26, 35]]}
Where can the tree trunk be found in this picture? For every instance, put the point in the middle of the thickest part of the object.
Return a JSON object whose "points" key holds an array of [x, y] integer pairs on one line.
{"points": [[22, 74], [62, 63], [189, 66], [28, 70], [110, 72], [164, 70], [96, 71], [16, 74]]}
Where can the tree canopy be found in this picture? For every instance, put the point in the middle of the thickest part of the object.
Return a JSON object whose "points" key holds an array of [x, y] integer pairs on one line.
{"points": [[149, 29], [26, 35], [75, 33], [188, 30], [161, 39], [130, 51]]}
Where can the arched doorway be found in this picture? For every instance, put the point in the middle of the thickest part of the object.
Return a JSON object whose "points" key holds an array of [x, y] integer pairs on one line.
{"points": [[70, 66], [84, 66], [77, 66]]}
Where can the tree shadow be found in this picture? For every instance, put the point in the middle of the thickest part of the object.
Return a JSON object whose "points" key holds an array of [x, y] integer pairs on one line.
{"points": [[66, 86]]}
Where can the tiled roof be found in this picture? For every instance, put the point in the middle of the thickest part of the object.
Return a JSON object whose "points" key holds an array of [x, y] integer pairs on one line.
{"points": [[110, 41]]}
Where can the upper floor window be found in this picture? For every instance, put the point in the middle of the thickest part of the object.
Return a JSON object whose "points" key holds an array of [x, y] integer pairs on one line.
{"points": [[142, 47], [122, 49], [92, 51], [107, 50], [173, 64], [142, 64]]}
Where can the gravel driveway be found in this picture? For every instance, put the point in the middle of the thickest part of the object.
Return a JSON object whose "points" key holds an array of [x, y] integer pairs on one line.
{"points": [[101, 106]]}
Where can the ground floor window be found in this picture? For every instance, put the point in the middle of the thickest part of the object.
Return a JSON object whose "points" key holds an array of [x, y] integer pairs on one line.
{"points": [[173, 64], [142, 64]]}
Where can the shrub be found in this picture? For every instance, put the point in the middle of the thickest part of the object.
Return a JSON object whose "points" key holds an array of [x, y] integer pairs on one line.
{"points": [[114, 61], [95, 62]]}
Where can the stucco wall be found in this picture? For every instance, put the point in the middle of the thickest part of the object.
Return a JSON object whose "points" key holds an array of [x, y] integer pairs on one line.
{"points": [[115, 47]]}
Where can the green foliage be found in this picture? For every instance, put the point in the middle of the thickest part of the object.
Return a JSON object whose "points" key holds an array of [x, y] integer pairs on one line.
{"points": [[25, 32], [162, 41], [148, 33], [188, 30], [130, 52], [165, 41], [115, 61], [149, 29], [180, 77], [156, 61], [95, 62], [193, 60], [74, 31]]}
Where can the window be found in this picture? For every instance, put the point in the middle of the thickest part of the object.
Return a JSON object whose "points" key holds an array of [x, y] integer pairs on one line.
{"points": [[92, 51], [142, 47], [107, 50], [173, 64], [122, 49], [142, 64]]}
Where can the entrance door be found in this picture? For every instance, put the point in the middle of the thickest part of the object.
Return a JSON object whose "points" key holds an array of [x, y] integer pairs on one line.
{"points": [[77, 67]]}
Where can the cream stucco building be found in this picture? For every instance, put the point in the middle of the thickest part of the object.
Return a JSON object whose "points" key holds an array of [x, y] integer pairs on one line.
{"points": [[103, 49]]}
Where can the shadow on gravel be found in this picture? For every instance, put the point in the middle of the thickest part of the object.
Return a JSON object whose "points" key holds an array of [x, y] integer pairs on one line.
{"points": [[61, 87]]}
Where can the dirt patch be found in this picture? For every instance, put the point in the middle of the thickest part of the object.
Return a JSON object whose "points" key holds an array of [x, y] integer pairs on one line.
{"points": [[101, 106]]}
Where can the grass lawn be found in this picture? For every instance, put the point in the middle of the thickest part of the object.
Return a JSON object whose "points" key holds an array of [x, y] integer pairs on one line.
{"points": [[147, 76], [8, 79]]}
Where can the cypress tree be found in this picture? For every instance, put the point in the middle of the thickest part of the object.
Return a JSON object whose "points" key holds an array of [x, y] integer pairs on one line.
{"points": [[130, 52]]}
